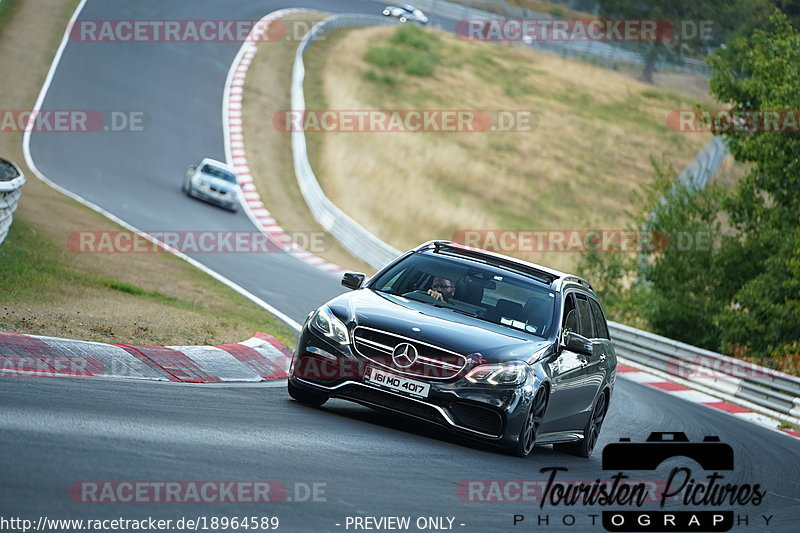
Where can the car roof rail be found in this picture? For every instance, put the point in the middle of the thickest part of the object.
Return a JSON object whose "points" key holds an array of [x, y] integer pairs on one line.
{"points": [[579, 281], [432, 244], [523, 267]]}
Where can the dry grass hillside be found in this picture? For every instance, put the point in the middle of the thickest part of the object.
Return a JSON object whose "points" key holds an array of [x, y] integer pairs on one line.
{"points": [[595, 133]]}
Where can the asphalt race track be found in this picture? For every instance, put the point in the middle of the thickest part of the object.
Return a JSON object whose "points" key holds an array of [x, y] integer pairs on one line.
{"points": [[57, 432]]}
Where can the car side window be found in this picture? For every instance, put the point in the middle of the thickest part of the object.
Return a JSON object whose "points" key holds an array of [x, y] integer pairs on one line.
{"points": [[599, 320], [585, 317], [570, 314]]}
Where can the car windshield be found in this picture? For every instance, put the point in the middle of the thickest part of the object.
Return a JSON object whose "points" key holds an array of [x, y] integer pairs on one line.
{"points": [[480, 291], [217, 172]]}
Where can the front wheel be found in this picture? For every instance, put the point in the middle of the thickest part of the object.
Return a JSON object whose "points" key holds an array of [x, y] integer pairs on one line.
{"points": [[307, 397], [591, 432], [530, 429]]}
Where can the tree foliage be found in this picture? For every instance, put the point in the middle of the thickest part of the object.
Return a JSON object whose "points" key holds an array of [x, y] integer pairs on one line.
{"points": [[741, 295], [762, 73]]}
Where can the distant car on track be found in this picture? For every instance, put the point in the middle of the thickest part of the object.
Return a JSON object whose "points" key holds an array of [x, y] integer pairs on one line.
{"points": [[488, 346], [404, 13], [214, 182]]}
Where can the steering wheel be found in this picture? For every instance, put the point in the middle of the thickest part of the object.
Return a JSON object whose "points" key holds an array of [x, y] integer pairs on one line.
{"points": [[422, 296]]}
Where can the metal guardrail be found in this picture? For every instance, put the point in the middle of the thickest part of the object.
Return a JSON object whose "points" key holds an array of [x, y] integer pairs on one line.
{"points": [[705, 165], [765, 387], [11, 180], [774, 392], [358, 241]]}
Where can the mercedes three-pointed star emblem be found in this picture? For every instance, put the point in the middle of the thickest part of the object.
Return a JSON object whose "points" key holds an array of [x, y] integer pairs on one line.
{"points": [[404, 355]]}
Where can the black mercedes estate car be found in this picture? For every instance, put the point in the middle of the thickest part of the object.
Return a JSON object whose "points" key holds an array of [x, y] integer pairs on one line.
{"points": [[489, 346]]}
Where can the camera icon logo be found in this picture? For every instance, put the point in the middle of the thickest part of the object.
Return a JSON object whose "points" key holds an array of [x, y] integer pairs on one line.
{"points": [[711, 454]]}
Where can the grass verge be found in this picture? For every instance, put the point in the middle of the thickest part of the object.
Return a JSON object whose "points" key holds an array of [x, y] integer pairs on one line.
{"points": [[7, 8]]}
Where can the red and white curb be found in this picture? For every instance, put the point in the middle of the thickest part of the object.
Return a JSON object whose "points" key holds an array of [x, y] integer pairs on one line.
{"points": [[695, 396], [232, 122], [259, 358]]}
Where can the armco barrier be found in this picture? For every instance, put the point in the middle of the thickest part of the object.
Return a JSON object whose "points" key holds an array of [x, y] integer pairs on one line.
{"points": [[350, 233], [764, 387], [11, 179], [773, 392], [705, 165]]}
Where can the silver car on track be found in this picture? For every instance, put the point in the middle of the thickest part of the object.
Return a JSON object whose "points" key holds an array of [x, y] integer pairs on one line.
{"points": [[214, 182], [405, 12]]}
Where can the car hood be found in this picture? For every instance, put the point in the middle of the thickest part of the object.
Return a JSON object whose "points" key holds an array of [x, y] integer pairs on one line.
{"points": [[484, 341]]}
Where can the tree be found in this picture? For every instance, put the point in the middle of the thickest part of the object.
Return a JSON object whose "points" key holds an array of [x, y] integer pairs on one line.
{"points": [[742, 295], [762, 73], [674, 287], [687, 17]]}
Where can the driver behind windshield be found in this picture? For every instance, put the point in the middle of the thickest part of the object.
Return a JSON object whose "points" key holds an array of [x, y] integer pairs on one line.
{"points": [[442, 289]]}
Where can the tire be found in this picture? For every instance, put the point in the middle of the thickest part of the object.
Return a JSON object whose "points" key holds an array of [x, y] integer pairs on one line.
{"points": [[306, 397], [403, 19], [591, 432], [530, 429], [385, 12]]}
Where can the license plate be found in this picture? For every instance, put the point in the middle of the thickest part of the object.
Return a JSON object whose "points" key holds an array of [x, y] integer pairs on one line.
{"points": [[396, 383]]}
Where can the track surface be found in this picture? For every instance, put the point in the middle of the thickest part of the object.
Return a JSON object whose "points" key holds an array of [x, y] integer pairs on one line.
{"points": [[59, 431]]}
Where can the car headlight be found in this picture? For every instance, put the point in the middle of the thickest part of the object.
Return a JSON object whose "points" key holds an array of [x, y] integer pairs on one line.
{"points": [[514, 373], [324, 321]]}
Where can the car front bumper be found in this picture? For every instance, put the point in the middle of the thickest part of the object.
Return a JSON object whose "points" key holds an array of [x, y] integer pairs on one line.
{"points": [[227, 201], [484, 412]]}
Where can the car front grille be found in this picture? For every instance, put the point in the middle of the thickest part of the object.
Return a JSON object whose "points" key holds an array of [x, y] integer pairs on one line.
{"points": [[432, 362], [478, 418]]}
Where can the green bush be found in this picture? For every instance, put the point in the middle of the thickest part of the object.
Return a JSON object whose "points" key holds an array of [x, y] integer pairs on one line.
{"points": [[371, 75], [410, 48], [414, 37], [420, 65], [386, 56]]}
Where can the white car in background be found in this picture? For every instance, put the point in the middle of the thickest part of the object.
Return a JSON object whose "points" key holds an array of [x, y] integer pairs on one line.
{"points": [[214, 182], [405, 12]]}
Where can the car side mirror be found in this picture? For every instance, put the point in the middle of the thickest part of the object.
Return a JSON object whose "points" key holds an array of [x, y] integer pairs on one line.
{"points": [[353, 280], [577, 343]]}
